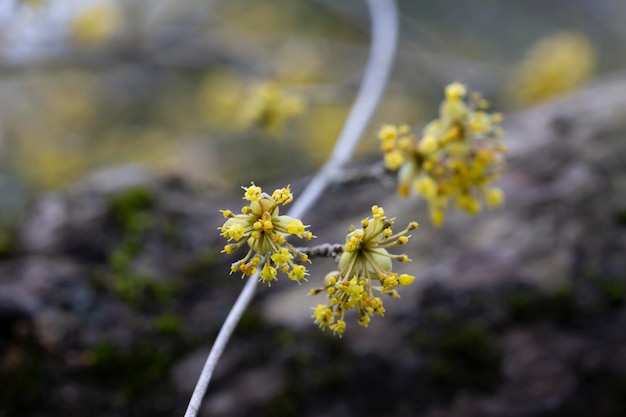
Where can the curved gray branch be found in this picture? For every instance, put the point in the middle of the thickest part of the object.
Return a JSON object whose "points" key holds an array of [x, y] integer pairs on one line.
{"points": [[384, 21]]}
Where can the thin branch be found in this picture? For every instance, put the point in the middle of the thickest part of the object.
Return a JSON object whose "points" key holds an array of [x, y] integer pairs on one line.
{"points": [[384, 19], [325, 250], [375, 172]]}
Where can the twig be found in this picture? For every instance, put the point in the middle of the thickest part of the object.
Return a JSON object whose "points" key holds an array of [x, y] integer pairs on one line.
{"points": [[384, 20], [375, 172], [325, 250]]}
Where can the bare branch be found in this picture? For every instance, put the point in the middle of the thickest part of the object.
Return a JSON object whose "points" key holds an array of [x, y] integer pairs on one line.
{"points": [[325, 250]]}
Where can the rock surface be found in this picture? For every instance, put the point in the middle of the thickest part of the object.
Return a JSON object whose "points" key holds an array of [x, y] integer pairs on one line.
{"points": [[112, 292]]}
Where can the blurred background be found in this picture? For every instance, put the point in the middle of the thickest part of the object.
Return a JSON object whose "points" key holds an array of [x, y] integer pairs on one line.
{"points": [[126, 124], [171, 85]]}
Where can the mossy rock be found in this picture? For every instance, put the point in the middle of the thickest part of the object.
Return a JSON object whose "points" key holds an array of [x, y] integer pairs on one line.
{"points": [[613, 290], [8, 241], [460, 355], [620, 218], [168, 323], [127, 208], [522, 304], [561, 304], [133, 370]]}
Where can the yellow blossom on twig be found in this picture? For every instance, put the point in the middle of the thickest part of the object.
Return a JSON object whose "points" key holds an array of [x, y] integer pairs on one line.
{"points": [[260, 226], [456, 159], [364, 271]]}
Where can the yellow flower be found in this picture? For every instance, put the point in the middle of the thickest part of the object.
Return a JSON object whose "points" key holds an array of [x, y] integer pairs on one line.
{"points": [[457, 158], [455, 91], [283, 195], [428, 144], [263, 229], [364, 267], [253, 193], [298, 273], [437, 216], [394, 159], [268, 274], [339, 327], [387, 133], [406, 279], [296, 228], [494, 197], [323, 316]]}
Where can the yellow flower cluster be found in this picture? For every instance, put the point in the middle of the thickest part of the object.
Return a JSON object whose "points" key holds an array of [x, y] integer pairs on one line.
{"points": [[260, 226], [364, 262], [270, 107], [455, 161]]}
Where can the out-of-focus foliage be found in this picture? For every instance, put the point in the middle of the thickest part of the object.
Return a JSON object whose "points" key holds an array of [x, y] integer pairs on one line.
{"points": [[554, 65], [219, 98], [269, 106], [96, 23], [174, 86]]}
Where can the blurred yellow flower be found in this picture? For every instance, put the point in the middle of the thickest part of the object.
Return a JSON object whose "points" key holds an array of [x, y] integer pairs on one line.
{"points": [[49, 165], [96, 23], [269, 106], [456, 160], [555, 65], [218, 98]]}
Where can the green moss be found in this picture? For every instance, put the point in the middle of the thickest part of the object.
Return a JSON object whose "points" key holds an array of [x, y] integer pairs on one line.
{"points": [[139, 288], [441, 371], [471, 343], [250, 323], [120, 259], [521, 304], [170, 232], [613, 290], [620, 218], [283, 337], [203, 263], [127, 287], [286, 404], [167, 323], [132, 370], [561, 304], [7, 242], [148, 365], [105, 359], [161, 291], [461, 355], [298, 360], [22, 384], [130, 210], [422, 341], [438, 316], [330, 378], [128, 207]]}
